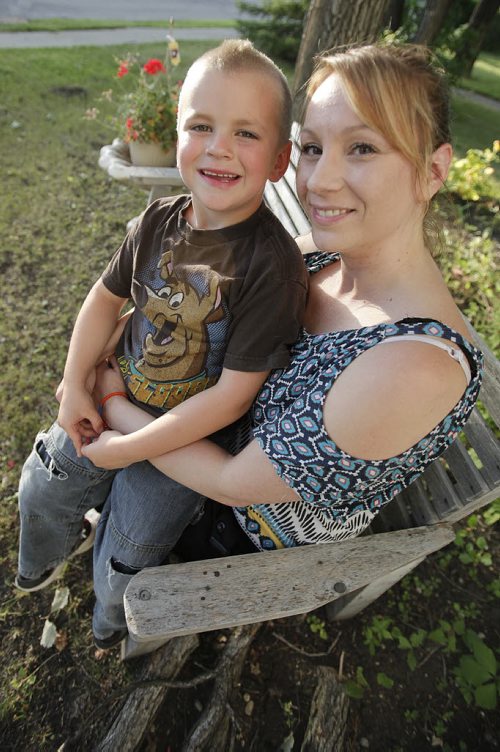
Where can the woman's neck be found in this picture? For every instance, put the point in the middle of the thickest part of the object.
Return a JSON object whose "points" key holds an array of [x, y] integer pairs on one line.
{"points": [[373, 288]]}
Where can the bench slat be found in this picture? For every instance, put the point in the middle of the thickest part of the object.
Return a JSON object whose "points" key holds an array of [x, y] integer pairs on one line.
{"points": [[204, 595], [469, 481], [486, 447]]}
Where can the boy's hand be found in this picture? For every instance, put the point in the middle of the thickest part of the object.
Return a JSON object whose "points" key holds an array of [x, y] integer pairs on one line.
{"points": [[79, 417], [106, 451]]}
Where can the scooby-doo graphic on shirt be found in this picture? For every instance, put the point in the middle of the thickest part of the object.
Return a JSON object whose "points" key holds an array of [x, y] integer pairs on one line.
{"points": [[172, 364]]}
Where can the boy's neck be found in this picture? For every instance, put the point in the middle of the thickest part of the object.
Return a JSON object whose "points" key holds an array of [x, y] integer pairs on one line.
{"points": [[208, 220]]}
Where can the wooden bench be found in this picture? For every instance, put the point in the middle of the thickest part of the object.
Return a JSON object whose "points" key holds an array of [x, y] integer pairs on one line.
{"points": [[181, 599]]}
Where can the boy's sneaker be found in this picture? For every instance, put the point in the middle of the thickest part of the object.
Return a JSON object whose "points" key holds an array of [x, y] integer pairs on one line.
{"points": [[87, 536], [109, 642]]}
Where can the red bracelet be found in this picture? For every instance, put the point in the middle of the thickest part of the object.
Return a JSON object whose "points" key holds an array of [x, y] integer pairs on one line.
{"points": [[112, 394]]}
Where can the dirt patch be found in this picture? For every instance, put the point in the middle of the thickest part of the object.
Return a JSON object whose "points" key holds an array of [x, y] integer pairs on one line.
{"points": [[72, 694]]}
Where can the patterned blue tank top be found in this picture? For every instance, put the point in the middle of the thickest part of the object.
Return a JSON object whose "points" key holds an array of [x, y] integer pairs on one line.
{"points": [[340, 494]]}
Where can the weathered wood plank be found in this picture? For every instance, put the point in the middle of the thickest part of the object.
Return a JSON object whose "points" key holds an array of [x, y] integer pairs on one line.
{"points": [[352, 604], [219, 593], [490, 389], [486, 446], [443, 496], [469, 481]]}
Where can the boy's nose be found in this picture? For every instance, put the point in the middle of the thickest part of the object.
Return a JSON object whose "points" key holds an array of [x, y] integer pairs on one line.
{"points": [[219, 146]]}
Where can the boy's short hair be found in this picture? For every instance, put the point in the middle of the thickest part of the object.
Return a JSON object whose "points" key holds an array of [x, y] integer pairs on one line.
{"points": [[235, 55]]}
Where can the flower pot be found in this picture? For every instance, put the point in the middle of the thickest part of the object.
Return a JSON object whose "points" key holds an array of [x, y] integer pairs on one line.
{"points": [[151, 155]]}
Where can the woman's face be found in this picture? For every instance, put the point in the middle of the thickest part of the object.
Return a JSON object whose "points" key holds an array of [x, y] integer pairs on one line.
{"points": [[358, 192]]}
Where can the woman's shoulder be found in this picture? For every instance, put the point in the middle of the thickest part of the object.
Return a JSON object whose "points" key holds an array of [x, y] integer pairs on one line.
{"points": [[391, 396]]}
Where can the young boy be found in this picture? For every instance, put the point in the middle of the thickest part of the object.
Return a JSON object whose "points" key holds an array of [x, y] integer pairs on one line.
{"points": [[219, 290]]}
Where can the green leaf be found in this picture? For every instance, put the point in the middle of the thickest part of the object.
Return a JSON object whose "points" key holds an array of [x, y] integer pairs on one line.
{"points": [[472, 671], [484, 656], [417, 638], [437, 635], [384, 680], [486, 696], [360, 677], [411, 660], [354, 690]]}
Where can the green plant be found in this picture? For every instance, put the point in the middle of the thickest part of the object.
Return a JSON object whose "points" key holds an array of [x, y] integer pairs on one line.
{"points": [[468, 261], [355, 688], [375, 634], [470, 176], [476, 673], [473, 547], [280, 30], [147, 110], [317, 626]]}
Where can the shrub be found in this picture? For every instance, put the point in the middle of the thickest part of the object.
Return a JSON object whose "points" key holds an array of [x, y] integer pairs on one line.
{"points": [[279, 31]]}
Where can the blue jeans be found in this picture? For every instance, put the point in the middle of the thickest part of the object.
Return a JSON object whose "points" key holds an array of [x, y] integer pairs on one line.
{"points": [[143, 516]]}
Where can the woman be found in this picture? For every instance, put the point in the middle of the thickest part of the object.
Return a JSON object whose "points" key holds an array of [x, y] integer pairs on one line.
{"points": [[351, 422]]}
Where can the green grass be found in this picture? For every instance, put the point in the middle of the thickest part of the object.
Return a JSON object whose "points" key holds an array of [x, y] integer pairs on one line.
{"points": [[61, 217], [71, 24], [485, 77]]}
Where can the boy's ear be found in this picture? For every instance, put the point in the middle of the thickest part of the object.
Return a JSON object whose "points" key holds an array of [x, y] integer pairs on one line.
{"points": [[440, 165], [281, 162]]}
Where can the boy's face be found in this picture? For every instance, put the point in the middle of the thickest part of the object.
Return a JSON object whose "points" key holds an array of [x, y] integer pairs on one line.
{"points": [[228, 145]]}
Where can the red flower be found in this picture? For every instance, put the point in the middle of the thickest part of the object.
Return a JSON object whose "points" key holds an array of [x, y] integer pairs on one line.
{"points": [[123, 69], [154, 66]]}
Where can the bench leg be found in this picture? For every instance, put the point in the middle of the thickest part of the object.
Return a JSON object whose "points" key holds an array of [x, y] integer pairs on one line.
{"points": [[353, 603], [130, 648]]}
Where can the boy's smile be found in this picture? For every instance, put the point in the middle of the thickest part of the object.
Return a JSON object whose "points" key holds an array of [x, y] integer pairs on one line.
{"points": [[228, 144]]}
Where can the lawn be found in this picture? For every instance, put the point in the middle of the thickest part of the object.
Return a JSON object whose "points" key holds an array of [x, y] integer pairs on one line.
{"points": [[485, 77], [61, 218]]}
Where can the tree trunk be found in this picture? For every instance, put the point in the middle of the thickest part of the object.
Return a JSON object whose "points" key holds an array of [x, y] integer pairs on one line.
{"points": [[477, 28], [330, 23], [432, 20], [327, 729], [394, 15]]}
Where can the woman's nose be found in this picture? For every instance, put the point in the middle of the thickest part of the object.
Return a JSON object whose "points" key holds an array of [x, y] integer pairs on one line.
{"points": [[326, 175]]}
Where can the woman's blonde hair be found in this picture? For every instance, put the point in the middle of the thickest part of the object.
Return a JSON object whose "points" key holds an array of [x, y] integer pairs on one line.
{"points": [[399, 91]]}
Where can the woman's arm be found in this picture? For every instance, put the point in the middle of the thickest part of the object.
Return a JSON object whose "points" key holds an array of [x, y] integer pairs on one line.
{"points": [[247, 478], [199, 416]]}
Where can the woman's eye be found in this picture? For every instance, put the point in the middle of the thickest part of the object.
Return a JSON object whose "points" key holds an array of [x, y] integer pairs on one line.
{"points": [[311, 150], [363, 149], [200, 128]]}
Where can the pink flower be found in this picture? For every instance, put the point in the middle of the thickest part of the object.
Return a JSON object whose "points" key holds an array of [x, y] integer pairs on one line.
{"points": [[154, 66]]}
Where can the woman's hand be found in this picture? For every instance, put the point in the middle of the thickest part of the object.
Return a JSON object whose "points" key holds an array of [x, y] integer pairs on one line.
{"points": [[106, 451], [108, 379]]}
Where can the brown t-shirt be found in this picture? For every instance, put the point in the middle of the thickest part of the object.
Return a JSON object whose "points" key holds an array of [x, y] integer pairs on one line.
{"points": [[204, 300]]}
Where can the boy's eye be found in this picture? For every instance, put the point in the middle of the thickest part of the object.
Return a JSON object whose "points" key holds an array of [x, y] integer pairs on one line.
{"points": [[246, 134], [311, 150], [362, 149]]}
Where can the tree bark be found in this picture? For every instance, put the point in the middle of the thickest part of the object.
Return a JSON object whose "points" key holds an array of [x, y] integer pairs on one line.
{"points": [[393, 17], [330, 23], [327, 727], [212, 728], [477, 28], [432, 21], [130, 726]]}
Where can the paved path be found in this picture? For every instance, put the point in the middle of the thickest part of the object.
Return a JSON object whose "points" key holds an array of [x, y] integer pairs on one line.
{"points": [[473, 96], [129, 10], [101, 37]]}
